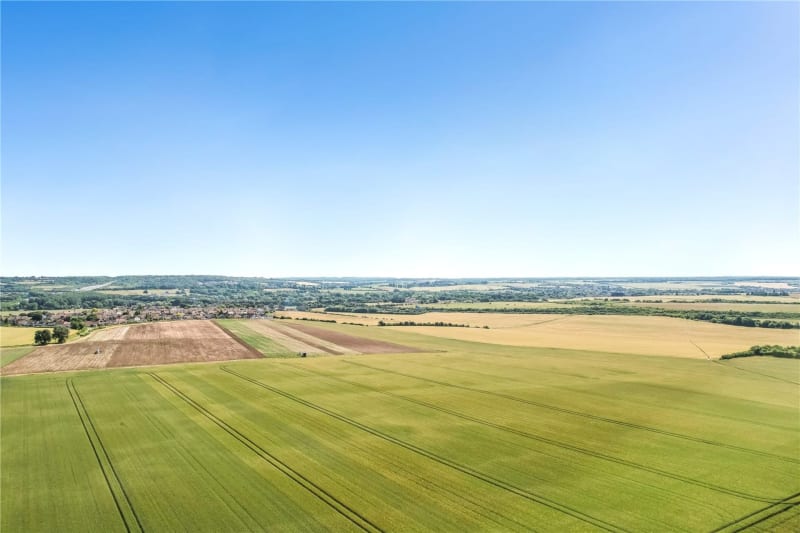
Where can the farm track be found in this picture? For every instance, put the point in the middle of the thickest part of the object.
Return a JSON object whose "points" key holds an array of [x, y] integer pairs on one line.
{"points": [[755, 518], [587, 415], [498, 483], [559, 444], [118, 493], [340, 507]]}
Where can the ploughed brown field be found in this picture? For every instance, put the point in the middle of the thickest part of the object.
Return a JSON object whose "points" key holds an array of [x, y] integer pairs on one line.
{"points": [[288, 337], [350, 342], [142, 344]]}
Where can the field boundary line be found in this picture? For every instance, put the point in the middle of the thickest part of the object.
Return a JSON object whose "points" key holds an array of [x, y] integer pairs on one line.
{"points": [[528, 495], [558, 444], [293, 333], [321, 494], [585, 415], [230, 334], [736, 523], [125, 502]]}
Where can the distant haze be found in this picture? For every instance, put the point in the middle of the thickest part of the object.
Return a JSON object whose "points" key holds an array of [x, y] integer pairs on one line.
{"points": [[395, 139]]}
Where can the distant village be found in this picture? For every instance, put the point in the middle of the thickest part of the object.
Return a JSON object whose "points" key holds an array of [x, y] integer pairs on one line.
{"points": [[126, 315]]}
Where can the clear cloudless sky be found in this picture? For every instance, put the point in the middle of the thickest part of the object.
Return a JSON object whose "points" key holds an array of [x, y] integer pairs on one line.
{"points": [[401, 139]]}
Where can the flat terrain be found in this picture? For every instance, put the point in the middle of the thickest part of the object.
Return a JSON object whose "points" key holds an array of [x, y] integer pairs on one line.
{"points": [[790, 298], [740, 308], [249, 333], [9, 355], [645, 335], [472, 287], [648, 335], [790, 305], [274, 338], [13, 336], [490, 306], [143, 344], [357, 344], [52, 311], [461, 436], [295, 340], [138, 292]]}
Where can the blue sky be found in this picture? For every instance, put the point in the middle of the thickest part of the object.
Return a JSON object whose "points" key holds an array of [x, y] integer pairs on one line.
{"points": [[397, 139]]}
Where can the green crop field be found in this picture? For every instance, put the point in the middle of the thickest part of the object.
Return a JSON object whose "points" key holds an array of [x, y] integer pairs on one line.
{"points": [[9, 355], [466, 436], [265, 345]]}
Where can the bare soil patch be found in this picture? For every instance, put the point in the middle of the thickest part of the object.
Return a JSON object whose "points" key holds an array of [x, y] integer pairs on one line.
{"points": [[295, 340], [351, 342], [145, 344]]}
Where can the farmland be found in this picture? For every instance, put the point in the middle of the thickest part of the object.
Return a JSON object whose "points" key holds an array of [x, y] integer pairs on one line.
{"points": [[635, 335], [791, 298], [743, 308], [357, 294], [145, 344], [770, 305], [21, 336], [458, 436], [9, 355], [137, 292], [284, 338], [643, 335]]}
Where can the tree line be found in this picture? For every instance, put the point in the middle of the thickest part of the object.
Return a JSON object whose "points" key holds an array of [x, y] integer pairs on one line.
{"points": [[60, 334], [773, 350], [412, 323], [754, 319]]}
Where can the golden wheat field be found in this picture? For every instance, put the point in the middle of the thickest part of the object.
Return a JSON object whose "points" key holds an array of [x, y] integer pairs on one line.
{"points": [[646, 335]]}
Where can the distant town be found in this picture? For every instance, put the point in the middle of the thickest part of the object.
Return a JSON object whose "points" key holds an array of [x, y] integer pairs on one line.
{"points": [[80, 319], [84, 303]]}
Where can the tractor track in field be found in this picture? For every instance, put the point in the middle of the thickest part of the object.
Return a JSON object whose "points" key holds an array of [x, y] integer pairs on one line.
{"points": [[708, 357], [321, 494], [498, 483], [593, 394], [484, 374], [475, 504], [586, 415], [123, 502], [558, 444], [532, 324], [730, 365], [774, 509]]}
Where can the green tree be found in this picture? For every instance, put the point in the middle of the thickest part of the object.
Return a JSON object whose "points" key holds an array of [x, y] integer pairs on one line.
{"points": [[42, 337], [76, 323], [60, 334]]}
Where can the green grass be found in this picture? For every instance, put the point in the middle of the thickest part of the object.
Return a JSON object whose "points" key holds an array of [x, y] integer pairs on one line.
{"points": [[470, 437], [9, 355], [265, 345]]}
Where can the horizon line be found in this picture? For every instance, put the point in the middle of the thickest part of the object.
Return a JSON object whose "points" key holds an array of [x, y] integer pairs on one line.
{"points": [[492, 277]]}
